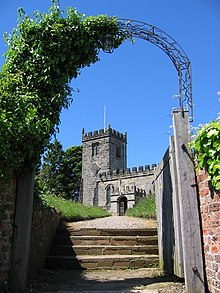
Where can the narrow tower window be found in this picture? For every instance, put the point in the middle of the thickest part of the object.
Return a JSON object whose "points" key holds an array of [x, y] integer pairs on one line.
{"points": [[95, 147]]}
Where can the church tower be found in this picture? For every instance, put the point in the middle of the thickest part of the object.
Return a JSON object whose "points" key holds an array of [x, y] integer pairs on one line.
{"points": [[102, 151]]}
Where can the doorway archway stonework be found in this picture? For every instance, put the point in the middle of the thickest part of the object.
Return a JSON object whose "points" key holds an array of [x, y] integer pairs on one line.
{"points": [[122, 203]]}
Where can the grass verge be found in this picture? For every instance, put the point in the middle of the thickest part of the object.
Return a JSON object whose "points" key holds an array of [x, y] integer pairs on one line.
{"points": [[73, 211], [145, 208]]}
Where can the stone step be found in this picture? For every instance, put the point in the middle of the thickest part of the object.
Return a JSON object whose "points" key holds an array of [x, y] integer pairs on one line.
{"points": [[65, 231], [106, 240], [102, 250], [102, 262], [90, 248]]}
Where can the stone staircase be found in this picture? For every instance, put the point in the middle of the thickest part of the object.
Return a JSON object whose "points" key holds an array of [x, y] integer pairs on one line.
{"points": [[90, 248]]}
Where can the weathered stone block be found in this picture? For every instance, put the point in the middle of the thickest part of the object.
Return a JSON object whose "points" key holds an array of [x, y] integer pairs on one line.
{"points": [[121, 264], [137, 263], [105, 263]]}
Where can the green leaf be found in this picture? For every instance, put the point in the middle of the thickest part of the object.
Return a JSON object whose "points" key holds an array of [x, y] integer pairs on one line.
{"points": [[207, 148], [212, 132]]}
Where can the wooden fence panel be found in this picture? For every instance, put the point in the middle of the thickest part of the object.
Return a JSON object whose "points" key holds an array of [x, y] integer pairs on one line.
{"points": [[163, 188], [22, 231], [178, 246]]}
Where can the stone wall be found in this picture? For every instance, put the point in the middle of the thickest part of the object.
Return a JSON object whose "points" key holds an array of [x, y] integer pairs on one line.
{"points": [[131, 184], [7, 208], [44, 224], [210, 214], [142, 177]]}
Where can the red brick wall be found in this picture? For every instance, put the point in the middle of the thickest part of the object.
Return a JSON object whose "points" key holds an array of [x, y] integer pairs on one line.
{"points": [[7, 208], [210, 213]]}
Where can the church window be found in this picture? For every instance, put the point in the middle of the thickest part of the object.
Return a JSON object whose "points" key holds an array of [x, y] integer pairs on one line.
{"points": [[95, 198], [95, 148], [109, 191]]}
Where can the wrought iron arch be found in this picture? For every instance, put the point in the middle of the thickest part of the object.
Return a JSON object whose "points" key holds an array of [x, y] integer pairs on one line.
{"points": [[148, 32]]}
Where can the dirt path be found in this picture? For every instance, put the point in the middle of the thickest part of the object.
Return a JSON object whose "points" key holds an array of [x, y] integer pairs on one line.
{"points": [[134, 281]]}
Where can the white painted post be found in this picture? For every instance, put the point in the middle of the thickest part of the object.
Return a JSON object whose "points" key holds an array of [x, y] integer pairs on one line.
{"points": [[22, 232], [189, 210]]}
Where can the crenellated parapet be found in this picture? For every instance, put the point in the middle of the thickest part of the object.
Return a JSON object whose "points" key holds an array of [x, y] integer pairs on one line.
{"points": [[103, 133], [140, 192], [130, 189], [134, 172]]}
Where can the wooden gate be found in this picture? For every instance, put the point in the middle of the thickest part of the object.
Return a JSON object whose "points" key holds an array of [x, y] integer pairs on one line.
{"points": [[179, 227]]}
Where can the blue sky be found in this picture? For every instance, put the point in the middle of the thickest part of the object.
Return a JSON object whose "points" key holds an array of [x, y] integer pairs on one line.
{"points": [[137, 82]]}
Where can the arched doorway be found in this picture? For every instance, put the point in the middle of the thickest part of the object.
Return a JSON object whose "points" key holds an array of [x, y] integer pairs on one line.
{"points": [[122, 205]]}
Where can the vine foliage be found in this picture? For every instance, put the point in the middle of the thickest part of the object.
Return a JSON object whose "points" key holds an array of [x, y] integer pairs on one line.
{"points": [[44, 54], [207, 150]]}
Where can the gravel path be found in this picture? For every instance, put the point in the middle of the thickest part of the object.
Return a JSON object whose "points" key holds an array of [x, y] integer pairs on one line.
{"points": [[114, 222]]}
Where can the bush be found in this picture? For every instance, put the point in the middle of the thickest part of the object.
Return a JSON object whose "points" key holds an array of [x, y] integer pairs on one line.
{"points": [[145, 208], [207, 150]]}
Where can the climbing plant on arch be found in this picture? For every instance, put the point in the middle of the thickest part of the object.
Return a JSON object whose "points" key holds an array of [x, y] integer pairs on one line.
{"points": [[44, 54]]}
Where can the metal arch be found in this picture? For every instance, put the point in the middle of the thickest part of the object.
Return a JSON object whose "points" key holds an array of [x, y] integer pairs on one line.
{"points": [[142, 30]]}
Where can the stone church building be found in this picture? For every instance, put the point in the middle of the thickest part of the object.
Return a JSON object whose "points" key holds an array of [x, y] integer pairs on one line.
{"points": [[106, 180]]}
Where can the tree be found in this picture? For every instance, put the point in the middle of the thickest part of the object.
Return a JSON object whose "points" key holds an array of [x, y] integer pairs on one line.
{"points": [[61, 171], [72, 169]]}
